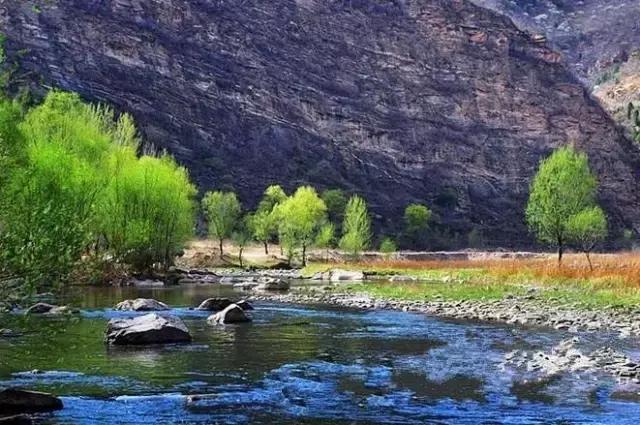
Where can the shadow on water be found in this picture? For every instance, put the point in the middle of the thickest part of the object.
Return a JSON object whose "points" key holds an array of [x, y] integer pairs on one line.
{"points": [[297, 365]]}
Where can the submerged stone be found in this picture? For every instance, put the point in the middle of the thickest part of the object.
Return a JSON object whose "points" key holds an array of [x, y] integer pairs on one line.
{"points": [[13, 401], [147, 329]]}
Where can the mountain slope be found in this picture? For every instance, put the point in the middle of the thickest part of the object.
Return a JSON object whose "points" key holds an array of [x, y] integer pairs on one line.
{"points": [[409, 100]]}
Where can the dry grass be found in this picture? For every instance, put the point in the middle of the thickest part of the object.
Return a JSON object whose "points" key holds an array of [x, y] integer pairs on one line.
{"points": [[622, 269]]}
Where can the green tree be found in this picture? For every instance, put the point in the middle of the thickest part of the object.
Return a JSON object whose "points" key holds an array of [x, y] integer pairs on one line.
{"points": [[416, 224], [563, 187], [336, 202], [587, 228], [263, 224], [356, 229], [388, 247], [300, 216], [222, 210], [242, 237], [325, 237]]}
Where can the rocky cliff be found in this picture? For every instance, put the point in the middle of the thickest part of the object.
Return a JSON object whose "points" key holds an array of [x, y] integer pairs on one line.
{"points": [[591, 34], [438, 101]]}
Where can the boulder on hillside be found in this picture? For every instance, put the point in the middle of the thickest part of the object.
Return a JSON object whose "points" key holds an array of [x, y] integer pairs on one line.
{"points": [[141, 304], [245, 305], [231, 314], [148, 329], [338, 275], [214, 304], [15, 401]]}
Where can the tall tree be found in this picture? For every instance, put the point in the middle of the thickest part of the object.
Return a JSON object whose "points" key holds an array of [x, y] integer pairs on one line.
{"points": [[242, 236], [325, 237], [300, 216], [263, 223], [356, 229], [563, 187], [222, 210]]}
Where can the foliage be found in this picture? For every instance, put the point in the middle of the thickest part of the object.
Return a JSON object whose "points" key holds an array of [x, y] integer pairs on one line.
{"points": [[416, 223], [71, 181], [300, 216], [146, 212], [587, 228], [356, 227], [242, 237], [325, 236], [388, 247], [563, 187], [222, 210], [263, 223], [336, 202]]}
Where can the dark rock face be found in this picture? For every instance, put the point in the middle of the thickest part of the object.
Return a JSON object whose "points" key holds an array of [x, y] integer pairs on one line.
{"points": [[147, 329], [436, 101], [591, 34], [14, 401]]}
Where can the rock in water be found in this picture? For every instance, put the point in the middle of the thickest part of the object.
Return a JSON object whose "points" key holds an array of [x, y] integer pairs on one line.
{"points": [[40, 308], [214, 304], [231, 314], [14, 401], [147, 329], [273, 284], [141, 304], [346, 275], [245, 305]]}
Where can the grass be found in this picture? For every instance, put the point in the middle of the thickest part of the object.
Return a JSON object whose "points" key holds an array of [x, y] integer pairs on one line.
{"points": [[614, 281]]}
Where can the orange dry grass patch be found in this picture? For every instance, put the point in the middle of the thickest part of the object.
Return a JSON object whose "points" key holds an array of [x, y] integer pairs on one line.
{"points": [[621, 268]]}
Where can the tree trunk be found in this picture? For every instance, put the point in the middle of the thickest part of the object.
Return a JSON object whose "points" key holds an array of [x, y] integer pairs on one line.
{"points": [[588, 254], [266, 247], [220, 246], [560, 252], [240, 257], [304, 255]]}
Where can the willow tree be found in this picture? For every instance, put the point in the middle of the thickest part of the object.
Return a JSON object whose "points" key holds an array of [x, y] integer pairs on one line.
{"points": [[222, 210], [263, 223], [563, 187], [300, 216]]}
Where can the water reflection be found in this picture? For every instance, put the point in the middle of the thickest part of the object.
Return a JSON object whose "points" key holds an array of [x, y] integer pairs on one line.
{"points": [[298, 365]]}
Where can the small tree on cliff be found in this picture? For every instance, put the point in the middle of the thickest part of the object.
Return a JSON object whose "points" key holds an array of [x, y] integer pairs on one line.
{"points": [[587, 229], [222, 210], [356, 228], [416, 223], [563, 187]]}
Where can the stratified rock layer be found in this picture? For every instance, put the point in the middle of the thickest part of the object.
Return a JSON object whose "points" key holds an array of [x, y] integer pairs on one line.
{"points": [[436, 101]]}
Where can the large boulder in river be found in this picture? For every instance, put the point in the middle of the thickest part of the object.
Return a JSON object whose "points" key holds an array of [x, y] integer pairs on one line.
{"points": [[231, 314], [338, 275], [245, 305], [148, 329], [141, 304], [14, 401], [214, 304]]}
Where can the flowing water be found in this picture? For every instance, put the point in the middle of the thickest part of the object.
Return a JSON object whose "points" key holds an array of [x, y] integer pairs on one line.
{"points": [[299, 365]]}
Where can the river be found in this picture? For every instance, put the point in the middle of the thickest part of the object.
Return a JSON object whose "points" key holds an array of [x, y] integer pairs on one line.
{"points": [[300, 365]]}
